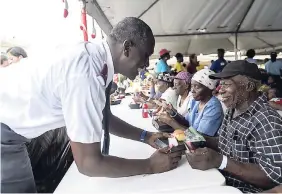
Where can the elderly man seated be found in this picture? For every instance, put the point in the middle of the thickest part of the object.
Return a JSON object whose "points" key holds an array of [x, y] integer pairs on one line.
{"points": [[248, 149]]}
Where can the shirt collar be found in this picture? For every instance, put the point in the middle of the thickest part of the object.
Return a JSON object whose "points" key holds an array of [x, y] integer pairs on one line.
{"points": [[257, 104]]}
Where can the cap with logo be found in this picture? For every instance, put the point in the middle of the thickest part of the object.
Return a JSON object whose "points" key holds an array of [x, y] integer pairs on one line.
{"points": [[240, 67]]}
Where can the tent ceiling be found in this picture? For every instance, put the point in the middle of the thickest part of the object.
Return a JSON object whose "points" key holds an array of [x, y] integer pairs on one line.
{"points": [[199, 26]]}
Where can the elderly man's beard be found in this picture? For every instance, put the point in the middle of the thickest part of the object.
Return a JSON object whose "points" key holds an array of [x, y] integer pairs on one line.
{"points": [[235, 100]]}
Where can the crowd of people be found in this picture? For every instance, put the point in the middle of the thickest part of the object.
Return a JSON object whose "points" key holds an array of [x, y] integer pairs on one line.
{"points": [[68, 97], [233, 107]]}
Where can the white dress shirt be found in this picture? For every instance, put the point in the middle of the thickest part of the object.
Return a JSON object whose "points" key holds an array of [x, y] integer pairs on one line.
{"points": [[66, 89]]}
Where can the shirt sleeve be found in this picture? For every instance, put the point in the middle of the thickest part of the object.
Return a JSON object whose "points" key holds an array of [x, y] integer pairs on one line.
{"points": [[170, 97], [211, 120], [214, 66], [266, 67], [268, 146], [83, 100]]}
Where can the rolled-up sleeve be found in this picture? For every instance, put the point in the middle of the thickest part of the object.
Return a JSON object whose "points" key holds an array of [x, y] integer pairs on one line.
{"points": [[83, 100], [268, 149]]}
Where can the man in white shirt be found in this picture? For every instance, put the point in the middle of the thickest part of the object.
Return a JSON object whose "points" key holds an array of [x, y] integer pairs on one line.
{"points": [[72, 89]]}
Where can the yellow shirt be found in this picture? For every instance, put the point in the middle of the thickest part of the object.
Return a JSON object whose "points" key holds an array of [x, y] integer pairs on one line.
{"points": [[178, 67]]}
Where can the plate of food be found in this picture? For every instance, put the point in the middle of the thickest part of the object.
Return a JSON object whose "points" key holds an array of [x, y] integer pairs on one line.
{"points": [[134, 105], [115, 102]]}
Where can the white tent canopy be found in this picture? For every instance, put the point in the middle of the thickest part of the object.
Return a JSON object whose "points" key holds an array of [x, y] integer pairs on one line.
{"points": [[199, 26]]}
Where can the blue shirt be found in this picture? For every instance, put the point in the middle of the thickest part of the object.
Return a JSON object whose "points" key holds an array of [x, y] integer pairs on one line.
{"points": [[142, 74], [218, 65], [209, 119], [162, 67], [273, 68], [152, 92]]}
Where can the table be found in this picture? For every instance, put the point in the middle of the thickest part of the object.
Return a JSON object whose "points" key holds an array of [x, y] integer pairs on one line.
{"points": [[213, 189], [184, 176]]}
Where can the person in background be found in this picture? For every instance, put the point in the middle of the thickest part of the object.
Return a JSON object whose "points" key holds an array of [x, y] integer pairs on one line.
{"points": [[4, 61], [248, 149], [251, 53], [220, 63], [114, 88], [272, 81], [184, 67], [205, 113], [193, 63], [164, 91], [274, 98], [142, 74], [266, 60], [170, 96], [209, 66], [15, 54], [178, 65], [162, 66], [273, 66], [182, 86]]}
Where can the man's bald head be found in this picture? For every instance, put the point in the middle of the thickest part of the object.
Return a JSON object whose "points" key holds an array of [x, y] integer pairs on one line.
{"points": [[134, 29], [132, 43]]}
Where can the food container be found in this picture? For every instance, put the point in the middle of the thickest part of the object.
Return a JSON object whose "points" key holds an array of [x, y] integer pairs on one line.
{"points": [[115, 102], [134, 106], [162, 127]]}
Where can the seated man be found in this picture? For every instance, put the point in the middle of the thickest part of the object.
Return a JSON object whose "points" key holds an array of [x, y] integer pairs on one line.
{"points": [[248, 149]]}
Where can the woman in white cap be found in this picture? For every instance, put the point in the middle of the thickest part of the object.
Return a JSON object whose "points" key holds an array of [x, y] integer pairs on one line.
{"points": [[205, 112]]}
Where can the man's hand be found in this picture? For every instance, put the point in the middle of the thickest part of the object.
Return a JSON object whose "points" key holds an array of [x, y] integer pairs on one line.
{"points": [[204, 159], [161, 161], [152, 137]]}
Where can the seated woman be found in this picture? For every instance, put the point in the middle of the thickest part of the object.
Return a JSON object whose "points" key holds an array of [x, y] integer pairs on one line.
{"points": [[164, 91], [205, 112], [182, 85]]}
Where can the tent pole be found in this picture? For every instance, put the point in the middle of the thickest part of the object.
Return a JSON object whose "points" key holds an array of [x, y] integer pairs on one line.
{"points": [[236, 47]]}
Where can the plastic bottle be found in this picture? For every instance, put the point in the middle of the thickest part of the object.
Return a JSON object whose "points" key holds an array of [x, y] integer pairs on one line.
{"points": [[145, 113]]}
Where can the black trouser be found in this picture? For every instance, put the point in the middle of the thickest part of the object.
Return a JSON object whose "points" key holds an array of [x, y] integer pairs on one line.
{"points": [[16, 170]]}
